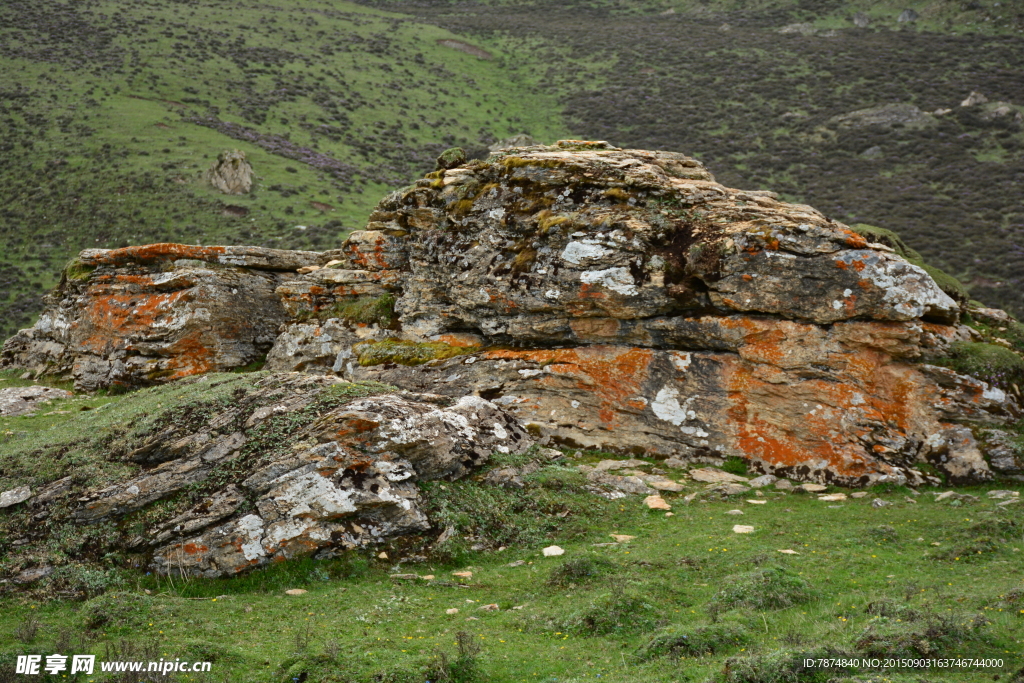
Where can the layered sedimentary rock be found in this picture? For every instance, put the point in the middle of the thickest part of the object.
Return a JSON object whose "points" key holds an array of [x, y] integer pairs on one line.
{"points": [[143, 315], [624, 300], [293, 465]]}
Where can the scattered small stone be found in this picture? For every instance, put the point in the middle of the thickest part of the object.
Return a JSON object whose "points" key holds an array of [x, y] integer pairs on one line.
{"points": [[295, 591], [517, 563], [879, 503], [463, 575], [1011, 501], [452, 610], [763, 480], [689, 497], [656, 503], [833, 497], [672, 514], [622, 538], [472, 619], [405, 577], [552, 551], [382, 556], [518, 607], [663, 484], [734, 512], [729, 489], [998, 495], [813, 488], [787, 551], [783, 485], [859, 494], [428, 577], [493, 607], [909, 500], [742, 529], [758, 502], [713, 475]]}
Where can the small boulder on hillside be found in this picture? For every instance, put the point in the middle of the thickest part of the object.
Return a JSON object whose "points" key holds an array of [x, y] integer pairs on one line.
{"points": [[231, 173], [25, 400]]}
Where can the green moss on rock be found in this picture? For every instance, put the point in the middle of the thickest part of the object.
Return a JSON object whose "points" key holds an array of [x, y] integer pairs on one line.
{"points": [[452, 158], [991, 363], [406, 352]]}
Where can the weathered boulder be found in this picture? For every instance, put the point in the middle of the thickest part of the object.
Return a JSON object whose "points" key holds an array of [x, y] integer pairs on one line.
{"points": [[231, 173], [291, 465], [623, 300], [26, 400], [143, 315]]}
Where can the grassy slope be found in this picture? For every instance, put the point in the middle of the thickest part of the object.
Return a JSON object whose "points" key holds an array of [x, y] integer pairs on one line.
{"points": [[99, 102], [922, 556]]}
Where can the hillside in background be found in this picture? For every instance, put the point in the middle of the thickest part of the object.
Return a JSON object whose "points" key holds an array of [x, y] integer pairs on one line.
{"points": [[111, 111]]}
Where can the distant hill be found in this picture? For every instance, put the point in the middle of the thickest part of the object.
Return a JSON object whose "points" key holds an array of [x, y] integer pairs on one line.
{"points": [[111, 111]]}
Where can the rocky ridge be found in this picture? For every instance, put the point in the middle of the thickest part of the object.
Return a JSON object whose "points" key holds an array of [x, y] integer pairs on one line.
{"points": [[589, 296]]}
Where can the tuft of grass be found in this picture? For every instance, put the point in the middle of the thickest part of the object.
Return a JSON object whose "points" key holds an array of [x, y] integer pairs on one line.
{"points": [[116, 612], [580, 570], [689, 641], [768, 588], [619, 611], [919, 634]]}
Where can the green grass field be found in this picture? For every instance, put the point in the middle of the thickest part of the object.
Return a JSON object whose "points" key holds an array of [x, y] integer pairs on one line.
{"points": [[910, 580]]}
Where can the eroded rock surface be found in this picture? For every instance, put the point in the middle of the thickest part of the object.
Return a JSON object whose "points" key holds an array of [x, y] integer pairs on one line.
{"points": [[292, 465], [143, 315]]}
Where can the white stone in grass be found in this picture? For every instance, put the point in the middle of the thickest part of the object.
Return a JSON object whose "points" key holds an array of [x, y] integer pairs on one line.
{"points": [[553, 551], [295, 591], [833, 497], [787, 551], [734, 512], [758, 502], [742, 529]]}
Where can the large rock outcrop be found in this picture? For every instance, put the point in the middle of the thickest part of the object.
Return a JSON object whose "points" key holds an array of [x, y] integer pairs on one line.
{"points": [[624, 300], [291, 465], [609, 298], [144, 315]]}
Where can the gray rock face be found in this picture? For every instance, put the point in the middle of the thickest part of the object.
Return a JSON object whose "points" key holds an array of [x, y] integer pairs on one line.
{"points": [[144, 315], [26, 400], [345, 478], [231, 173]]}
